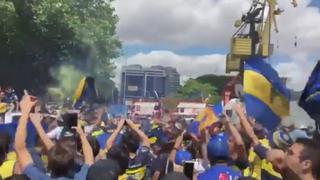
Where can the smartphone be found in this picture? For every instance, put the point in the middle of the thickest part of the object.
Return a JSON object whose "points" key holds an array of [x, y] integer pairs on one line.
{"points": [[188, 168], [71, 120], [229, 112]]}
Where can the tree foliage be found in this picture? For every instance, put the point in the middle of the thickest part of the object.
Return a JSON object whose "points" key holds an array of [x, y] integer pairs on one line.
{"points": [[37, 35], [217, 81], [195, 90]]}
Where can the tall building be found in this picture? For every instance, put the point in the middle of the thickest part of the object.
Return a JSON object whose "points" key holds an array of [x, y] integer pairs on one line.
{"points": [[140, 82]]}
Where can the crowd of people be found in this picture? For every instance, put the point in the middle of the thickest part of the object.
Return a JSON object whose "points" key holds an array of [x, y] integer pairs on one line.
{"points": [[102, 148]]}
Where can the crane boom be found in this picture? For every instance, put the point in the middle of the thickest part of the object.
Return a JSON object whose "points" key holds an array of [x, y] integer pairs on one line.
{"points": [[254, 40]]}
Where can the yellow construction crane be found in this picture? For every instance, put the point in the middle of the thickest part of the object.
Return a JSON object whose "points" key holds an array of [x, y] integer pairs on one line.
{"points": [[254, 40]]}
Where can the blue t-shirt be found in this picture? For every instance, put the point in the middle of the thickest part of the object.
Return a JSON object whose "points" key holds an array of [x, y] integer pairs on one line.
{"points": [[35, 174], [220, 172]]}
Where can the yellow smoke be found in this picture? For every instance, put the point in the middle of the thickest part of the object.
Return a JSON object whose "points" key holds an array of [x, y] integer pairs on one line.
{"points": [[67, 77]]}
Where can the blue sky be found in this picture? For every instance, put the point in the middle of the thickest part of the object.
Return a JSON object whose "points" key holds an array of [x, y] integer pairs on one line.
{"points": [[315, 3], [194, 35]]}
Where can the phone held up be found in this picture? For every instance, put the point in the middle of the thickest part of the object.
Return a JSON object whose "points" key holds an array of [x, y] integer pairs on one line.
{"points": [[188, 169]]}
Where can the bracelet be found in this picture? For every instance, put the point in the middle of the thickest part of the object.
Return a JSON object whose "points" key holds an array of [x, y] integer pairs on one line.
{"points": [[174, 148]]}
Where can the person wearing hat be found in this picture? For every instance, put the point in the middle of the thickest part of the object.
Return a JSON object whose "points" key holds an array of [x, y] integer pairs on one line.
{"points": [[218, 155]]}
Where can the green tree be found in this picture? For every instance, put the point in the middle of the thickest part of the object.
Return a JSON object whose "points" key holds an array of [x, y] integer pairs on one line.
{"points": [[215, 80], [195, 90], [37, 35]]}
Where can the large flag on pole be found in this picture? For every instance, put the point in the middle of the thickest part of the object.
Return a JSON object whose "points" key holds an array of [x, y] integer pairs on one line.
{"points": [[310, 98], [266, 97]]}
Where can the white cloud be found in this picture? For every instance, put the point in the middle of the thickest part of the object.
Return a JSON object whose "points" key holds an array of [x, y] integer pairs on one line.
{"points": [[209, 23], [297, 70], [179, 23], [187, 66], [303, 22]]}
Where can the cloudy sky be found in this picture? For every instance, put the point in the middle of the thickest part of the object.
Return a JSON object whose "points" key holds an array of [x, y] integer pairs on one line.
{"points": [[194, 35]]}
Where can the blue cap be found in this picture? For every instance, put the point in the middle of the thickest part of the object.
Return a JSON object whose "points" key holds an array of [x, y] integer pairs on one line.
{"points": [[182, 156], [218, 146]]}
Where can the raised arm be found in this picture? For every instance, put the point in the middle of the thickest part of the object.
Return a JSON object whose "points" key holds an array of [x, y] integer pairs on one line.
{"points": [[246, 125], [233, 131], [205, 138], [236, 136], [275, 156], [143, 137], [36, 119], [111, 140], [176, 147], [87, 150], [23, 154]]}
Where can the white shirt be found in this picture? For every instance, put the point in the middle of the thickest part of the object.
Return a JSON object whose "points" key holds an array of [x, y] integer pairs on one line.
{"points": [[55, 133]]}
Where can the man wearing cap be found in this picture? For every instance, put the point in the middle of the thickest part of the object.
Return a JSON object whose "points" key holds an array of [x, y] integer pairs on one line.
{"points": [[218, 155]]}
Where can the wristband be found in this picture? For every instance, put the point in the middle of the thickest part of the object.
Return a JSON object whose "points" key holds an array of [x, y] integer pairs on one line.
{"points": [[261, 151]]}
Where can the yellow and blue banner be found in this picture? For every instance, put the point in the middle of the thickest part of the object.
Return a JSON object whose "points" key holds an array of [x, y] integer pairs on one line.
{"points": [[266, 97], [86, 92], [209, 115]]}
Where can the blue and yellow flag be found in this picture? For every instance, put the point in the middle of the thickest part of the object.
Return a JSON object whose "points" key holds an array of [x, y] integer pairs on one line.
{"points": [[310, 98], [86, 92], [209, 115], [266, 97]]}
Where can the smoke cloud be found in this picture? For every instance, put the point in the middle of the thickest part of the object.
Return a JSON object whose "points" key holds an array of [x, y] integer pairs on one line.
{"points": [[67, 78]]}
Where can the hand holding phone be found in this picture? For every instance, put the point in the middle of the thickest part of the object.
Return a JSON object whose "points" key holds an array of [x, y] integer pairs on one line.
{"points": [[229, 112], [71, 120], [28, 102], [188, 169]]}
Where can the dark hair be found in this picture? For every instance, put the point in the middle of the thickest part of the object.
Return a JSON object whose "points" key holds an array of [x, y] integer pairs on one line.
{"points": [[18, 177], [311, 151], [61, 158], [104, 169], [95, 146], [119, 155], [131, 142], [4, 146], [166, 147]]}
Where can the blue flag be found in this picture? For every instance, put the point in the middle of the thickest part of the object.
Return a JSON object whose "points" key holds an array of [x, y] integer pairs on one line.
{"points": [[310, 98], [265, 95]]}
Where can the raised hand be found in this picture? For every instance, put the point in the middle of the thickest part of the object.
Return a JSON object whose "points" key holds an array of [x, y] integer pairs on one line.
{"points": [[79, 130], [130, 122], [121, 124], [27, 102]]}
